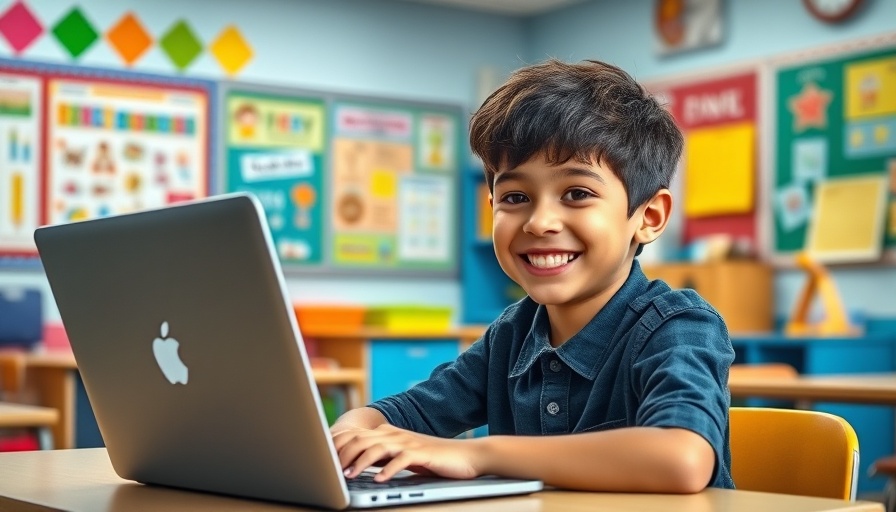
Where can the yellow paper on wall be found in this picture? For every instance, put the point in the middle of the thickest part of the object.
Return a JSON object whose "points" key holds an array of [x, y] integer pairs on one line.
{"points": [[718, 171], [484, 231], [871, 88], [848, 219]]}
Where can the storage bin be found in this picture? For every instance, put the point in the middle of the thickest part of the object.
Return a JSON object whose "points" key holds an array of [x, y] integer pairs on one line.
{"points": [[409, 318], [330, 318], [21, 317]]}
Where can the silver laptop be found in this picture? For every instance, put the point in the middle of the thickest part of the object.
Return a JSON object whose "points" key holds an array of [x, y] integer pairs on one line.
{"points": [[191, 357]]}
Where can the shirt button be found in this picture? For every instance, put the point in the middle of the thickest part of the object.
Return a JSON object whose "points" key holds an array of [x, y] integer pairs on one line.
{"points": [[555, 365], [553, 408]]}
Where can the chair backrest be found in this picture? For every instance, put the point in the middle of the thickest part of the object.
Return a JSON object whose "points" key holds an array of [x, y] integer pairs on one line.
{"points": [[786, 451]]}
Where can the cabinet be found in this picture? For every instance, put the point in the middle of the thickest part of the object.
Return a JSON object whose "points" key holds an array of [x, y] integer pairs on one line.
{"points": [[396, 365], [391, 362], [742, 291]]}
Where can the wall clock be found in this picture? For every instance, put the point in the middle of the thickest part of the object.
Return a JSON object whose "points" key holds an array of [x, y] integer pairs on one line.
{"points": [[832, 11]]}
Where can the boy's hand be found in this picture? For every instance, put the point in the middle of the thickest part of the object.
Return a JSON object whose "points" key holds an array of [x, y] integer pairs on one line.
{"points": [[397, 449]]}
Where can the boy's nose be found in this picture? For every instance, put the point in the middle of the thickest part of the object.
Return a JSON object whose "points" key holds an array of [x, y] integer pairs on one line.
{"points": [[544, 220]]}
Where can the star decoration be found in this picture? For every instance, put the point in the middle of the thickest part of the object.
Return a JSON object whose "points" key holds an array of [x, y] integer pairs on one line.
{"points": [[810, 107]]}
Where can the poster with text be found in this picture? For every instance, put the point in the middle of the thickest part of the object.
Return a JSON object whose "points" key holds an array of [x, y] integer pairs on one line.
{"points": [[394, 175], [718, 117], [20, 117], [275, 148], [117, 147]]}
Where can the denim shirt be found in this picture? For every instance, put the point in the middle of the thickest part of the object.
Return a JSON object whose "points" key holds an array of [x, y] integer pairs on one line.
{"points": [[652, 357]]}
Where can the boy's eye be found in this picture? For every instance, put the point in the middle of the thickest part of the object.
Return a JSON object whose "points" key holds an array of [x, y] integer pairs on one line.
{"points": [[514, 198], [577, 194]]}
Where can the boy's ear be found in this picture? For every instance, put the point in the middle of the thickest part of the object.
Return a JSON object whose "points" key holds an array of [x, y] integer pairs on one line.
{"points": [[491, 200], [654, 216]]}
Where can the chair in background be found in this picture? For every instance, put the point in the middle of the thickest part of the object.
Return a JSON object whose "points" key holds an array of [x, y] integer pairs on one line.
{"points": [[762, 371], [765, 371], [21, 416], [886, 466], [808, 453]]}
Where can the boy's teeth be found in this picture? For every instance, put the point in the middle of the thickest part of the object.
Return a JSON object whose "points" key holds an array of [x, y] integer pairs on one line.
{"points": [[550, 260]]}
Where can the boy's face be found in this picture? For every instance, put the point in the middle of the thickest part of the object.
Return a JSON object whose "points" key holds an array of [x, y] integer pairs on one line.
{"points": [[562, 232]]}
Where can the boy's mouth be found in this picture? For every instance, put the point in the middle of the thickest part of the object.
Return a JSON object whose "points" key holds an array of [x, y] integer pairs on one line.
{"points": [[552, 260]]}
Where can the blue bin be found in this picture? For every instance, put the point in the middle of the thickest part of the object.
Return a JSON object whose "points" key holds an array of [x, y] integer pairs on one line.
{"points": [[21, 317]]}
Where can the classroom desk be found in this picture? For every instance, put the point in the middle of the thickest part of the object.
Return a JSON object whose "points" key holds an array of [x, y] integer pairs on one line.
{"points": [[83, 480], [865, 388], [50, 376]]}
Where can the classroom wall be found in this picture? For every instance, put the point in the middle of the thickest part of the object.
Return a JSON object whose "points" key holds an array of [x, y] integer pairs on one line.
{"points": [[382, 48], [622, 33], [415, 51]]}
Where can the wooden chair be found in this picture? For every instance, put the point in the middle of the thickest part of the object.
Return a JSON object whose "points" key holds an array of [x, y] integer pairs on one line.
{"points": [[808, 453], [15, 415]]}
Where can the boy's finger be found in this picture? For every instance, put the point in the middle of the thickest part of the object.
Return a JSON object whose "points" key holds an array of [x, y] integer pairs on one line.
{"points": [[403, 461], [370, 457]]}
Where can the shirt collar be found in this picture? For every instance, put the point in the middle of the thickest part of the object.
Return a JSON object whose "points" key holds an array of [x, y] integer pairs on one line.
{"points": [[584, 352]]}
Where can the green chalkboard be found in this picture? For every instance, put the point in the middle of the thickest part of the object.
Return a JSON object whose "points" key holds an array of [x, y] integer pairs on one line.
{"points": [[835, 117]]}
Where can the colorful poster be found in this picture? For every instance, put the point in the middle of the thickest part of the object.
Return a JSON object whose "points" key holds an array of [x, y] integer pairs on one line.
{"points": [[719, 118], [393, 187], [20, 185], [275, 148], [117, 147], [836, 119]]}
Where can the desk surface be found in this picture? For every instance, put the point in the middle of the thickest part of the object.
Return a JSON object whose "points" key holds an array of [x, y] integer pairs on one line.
{"points": [[855, 388], [83, 480]]}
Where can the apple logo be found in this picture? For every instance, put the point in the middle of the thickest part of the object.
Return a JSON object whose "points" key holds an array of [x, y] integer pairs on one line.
{"points": [[165, 350]]}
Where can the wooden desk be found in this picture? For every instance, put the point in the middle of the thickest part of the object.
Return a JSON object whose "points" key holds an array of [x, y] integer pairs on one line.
{"points": [[865, 388], [83, 480], [51, 377]]}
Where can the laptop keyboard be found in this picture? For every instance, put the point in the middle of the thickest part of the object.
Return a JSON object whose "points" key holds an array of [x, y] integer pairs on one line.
{"points": [[365, 482]]}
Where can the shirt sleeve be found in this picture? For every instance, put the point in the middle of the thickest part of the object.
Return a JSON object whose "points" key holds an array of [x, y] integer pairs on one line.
{"points": [[681, 375], [450, 402]]}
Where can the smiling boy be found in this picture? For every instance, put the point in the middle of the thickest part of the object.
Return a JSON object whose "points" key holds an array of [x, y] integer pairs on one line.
{"points": [[599, 379]]}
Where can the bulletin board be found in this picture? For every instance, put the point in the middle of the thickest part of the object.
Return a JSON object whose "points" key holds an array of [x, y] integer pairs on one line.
{"points": [[719, 117], [835, 120], [394, 186], [78, 143], [347, 183], [275, 147]]}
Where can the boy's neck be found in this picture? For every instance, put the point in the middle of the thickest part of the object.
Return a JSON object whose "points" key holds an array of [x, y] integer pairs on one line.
{"points": [[567, 320]]}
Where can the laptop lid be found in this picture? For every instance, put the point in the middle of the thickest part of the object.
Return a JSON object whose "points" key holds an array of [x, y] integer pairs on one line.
{"points": [[193, 283], [189, 350]]}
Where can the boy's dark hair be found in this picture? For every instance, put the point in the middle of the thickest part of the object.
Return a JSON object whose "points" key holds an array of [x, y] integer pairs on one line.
{"points": [[591, 111]]}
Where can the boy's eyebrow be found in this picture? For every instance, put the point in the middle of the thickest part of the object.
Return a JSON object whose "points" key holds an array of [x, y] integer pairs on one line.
{"points": [[514, 174], [578, 171]]}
